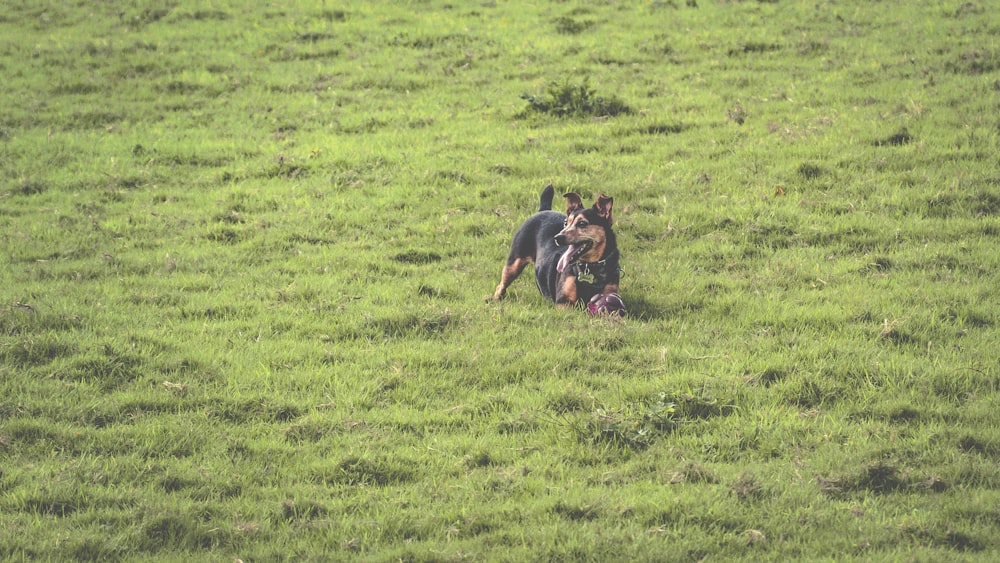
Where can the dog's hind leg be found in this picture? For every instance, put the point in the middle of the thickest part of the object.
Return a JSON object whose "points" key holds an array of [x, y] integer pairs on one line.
{"points": [[511, 270]]}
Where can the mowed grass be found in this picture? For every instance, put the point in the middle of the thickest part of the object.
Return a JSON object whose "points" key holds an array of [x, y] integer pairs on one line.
{"points": [[245, 251]]}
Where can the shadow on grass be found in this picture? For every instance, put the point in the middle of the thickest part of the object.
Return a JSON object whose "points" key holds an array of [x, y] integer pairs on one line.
{"points": [[641, 308]]}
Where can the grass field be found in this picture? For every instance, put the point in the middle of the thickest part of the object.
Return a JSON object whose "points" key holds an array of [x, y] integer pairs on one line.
{"points": [[245, 251]]}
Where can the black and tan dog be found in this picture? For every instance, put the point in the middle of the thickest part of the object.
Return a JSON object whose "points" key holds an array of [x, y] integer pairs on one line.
{"points": [[575, 255]]}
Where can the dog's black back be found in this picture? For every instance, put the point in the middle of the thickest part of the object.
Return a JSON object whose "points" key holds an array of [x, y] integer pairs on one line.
{"points": [[536, 238]]}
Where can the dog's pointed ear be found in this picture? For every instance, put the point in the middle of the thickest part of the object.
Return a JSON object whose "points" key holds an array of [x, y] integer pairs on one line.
{"points": [[603, 206], [573, 202]]}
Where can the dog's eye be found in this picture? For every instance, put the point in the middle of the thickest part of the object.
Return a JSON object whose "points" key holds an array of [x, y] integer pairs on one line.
{"points": [[582, 224], [565, 223]]}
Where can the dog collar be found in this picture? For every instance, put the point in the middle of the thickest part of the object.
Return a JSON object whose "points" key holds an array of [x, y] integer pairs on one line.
{"points": [[590, 272]]}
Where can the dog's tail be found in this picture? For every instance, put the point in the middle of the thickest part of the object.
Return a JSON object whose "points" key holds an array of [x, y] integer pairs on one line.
{"points": [[546, 202]]}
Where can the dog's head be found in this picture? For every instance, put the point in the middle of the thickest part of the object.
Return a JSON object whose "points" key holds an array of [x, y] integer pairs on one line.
{"points": [[585, 231]]}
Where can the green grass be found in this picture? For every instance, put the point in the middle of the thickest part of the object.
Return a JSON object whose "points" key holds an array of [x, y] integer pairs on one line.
{"points": [[244, 253]]}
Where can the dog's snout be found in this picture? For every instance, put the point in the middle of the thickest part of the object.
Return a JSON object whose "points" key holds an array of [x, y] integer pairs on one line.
{"points": [[559, 239]]}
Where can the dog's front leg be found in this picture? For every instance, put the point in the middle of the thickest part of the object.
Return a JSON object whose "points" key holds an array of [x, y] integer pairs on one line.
{"points": [[566, 294]]}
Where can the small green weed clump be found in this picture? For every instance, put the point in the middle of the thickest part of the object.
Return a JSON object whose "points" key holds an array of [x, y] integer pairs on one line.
{"points": [[634, 426], [566, 99]]}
